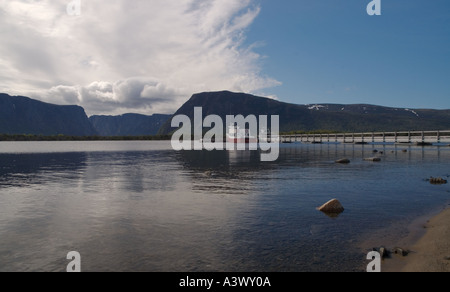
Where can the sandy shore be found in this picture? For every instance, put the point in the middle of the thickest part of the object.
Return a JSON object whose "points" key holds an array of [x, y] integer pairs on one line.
{"points": [[431, 253]]}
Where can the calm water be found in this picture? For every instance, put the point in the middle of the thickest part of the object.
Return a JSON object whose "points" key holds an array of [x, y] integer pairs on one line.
{"points": [[140, 206]]}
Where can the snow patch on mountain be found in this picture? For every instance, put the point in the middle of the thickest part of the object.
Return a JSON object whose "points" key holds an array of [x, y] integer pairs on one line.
{"points": [[412, 111], [316, 107]]}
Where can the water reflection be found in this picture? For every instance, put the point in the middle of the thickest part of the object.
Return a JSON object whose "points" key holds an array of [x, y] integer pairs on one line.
{"points": [[134, 172], [162, 210], [22, 169], [278, 227]]}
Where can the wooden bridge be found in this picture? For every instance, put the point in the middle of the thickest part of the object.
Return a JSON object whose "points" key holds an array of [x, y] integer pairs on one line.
{"points": [[422, 138]]}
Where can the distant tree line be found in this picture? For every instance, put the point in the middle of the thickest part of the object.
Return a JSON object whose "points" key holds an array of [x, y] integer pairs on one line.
{"points": [[25, 137]]}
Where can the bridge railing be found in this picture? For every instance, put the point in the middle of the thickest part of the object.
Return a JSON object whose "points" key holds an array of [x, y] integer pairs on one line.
{"points": [[373, 137]]}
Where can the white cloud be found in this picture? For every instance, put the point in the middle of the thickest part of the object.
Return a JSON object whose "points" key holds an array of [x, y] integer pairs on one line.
{"points": [[68, 94], [140, 95], [122, 56]]}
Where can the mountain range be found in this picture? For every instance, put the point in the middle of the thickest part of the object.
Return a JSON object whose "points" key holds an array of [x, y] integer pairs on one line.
{"points": [[315, 117], [128, 124], [22, 115]]}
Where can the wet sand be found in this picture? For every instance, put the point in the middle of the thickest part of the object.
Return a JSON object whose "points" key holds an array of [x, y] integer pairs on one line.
{"points": [[430, 253]]}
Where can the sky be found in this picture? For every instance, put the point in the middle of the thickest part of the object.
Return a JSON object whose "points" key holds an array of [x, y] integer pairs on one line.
{"points": [[150, 56]]}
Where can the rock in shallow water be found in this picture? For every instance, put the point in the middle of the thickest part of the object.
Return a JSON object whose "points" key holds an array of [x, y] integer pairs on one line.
{"points": [[384, 252], [373, 159], [332, 207], [401, 251], [438, 181], [343, 161]]}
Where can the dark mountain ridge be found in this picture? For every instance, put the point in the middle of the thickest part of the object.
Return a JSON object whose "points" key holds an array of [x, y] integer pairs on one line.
{"points": [[128, 124], [330, 117], [23, 115]]}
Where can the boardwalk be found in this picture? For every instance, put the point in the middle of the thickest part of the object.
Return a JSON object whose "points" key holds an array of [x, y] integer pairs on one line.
{"points": [[411, 137]]}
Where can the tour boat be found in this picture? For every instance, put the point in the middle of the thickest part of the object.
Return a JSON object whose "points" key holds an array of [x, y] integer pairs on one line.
{"points": [[238, 136]]}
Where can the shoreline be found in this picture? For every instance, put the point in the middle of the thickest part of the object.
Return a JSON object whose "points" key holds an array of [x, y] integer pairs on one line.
{"points": [[428, 241]]}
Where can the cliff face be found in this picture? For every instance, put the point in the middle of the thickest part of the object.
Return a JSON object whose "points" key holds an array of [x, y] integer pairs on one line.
{"points": [[331, 117], [22, 115], [128, 124]]}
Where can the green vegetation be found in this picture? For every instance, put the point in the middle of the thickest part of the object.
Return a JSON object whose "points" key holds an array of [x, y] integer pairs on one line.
{"points": [[7, 137]]}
